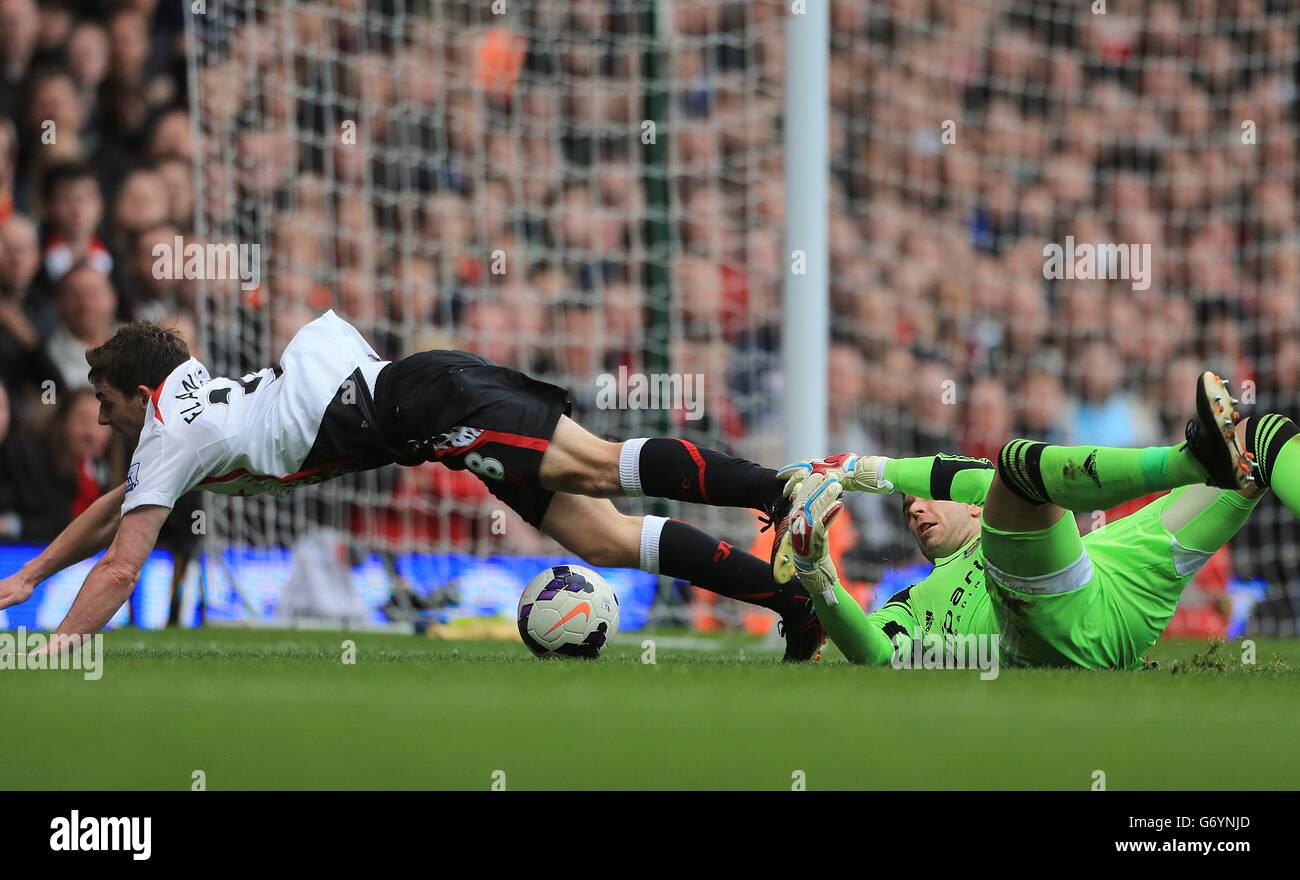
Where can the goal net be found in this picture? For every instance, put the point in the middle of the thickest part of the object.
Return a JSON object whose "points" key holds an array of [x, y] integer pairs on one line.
{"points": [[1045, 218], [489, 176], [1049, 217]]}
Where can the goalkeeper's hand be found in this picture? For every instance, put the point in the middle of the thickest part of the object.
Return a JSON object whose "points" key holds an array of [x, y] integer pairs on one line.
{"points": [[855, 473], [813, 509]]}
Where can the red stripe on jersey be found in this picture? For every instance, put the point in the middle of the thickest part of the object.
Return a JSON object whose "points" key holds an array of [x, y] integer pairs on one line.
{"points": [[699, 463], [157, 393], [300, 475]]}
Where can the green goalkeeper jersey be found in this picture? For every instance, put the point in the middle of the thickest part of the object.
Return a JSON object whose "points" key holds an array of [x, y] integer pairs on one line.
{"points": [[1050, 597], [950, 602]]}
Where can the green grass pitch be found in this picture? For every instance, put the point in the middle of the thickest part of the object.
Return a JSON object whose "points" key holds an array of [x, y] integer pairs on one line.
{"points": [[272, 709]]}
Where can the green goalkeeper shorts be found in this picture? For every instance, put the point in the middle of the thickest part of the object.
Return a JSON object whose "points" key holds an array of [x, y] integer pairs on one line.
{"points": [[1101, 601]]}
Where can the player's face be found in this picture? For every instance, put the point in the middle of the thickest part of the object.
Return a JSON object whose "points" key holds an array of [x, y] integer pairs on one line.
{"points": [[940, 528], [125, 415]]}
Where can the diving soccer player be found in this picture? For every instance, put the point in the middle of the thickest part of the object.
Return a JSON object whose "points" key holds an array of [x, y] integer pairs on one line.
{"points": [[331, 406], [1008, 557]]}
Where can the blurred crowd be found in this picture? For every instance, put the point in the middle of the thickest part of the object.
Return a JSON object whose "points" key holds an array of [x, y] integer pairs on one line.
{"points": [[970, 134], [95, 160], [447, 177]]}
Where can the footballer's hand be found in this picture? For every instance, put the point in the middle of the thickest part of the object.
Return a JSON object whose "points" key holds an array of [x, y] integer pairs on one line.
{"points": [[855, 473], [813, 509], [15, 589], [838, 466]]}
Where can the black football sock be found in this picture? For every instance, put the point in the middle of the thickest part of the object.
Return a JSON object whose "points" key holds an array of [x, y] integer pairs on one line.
{"points": [[678, 550], [666, 467]]}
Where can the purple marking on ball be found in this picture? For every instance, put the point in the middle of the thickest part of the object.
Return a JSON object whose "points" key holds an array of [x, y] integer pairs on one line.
{"points": [[579, 584]]}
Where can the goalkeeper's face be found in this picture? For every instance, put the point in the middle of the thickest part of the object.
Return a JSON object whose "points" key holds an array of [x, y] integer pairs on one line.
{"points": [[941, 528]]}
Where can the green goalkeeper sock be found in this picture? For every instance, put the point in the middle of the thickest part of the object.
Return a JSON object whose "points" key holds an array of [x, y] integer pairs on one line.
{"points": [[1085, 478], [942, 477], [1275, 441], [1286, 475]]}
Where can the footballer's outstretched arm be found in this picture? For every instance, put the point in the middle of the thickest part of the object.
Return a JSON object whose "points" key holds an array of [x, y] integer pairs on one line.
{"points": [[84, 536], [932, 477], [111, 581], [864, 638]]}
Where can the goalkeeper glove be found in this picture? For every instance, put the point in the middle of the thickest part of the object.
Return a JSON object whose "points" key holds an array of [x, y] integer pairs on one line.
{"points": [[855, 473], [813, 509]]}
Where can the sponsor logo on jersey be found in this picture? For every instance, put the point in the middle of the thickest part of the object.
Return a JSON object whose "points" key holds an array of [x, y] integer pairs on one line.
{"points": [[457, 438], [133, 477]]}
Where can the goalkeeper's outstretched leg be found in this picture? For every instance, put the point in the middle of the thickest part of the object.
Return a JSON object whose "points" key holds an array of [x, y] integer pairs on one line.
{"points": [[1083, 478], [1035, 480]]}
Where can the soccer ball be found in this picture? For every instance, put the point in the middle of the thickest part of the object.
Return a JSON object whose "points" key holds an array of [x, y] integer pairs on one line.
{"points": [[567, 611]]}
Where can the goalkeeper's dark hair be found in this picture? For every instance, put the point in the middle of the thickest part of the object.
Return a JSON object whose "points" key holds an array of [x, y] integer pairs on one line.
{"points": [[140, 353]]}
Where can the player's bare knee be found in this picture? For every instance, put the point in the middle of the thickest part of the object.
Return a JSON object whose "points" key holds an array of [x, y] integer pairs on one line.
{"points": [[584, 475], [605, 555], [579, 462], [602, 468], [612, 544]]}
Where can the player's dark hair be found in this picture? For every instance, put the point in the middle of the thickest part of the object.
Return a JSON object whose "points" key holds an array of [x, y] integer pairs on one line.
{"points": [[140, 353]]}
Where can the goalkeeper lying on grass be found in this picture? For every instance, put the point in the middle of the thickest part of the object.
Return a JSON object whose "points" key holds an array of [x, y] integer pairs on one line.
{"points": [[1008, 557]]}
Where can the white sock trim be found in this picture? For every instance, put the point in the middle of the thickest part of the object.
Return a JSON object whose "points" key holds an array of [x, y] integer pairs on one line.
{"points": [[629, 467], [652, 527]]}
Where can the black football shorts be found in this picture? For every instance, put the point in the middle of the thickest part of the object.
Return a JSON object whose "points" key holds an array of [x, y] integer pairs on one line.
{"points": [[467, 413]]}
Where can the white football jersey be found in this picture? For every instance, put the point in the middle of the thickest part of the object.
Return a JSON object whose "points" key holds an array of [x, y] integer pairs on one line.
{"points": [[253, 435]]}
